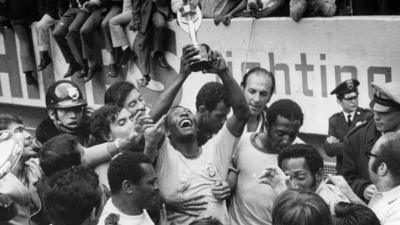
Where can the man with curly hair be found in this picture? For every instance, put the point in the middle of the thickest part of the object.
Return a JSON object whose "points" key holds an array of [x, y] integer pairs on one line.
{"points": [[212, 107]]}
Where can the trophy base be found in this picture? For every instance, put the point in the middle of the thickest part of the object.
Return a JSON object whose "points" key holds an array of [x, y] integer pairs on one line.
{"points": [[203, 64], [199, 66]]}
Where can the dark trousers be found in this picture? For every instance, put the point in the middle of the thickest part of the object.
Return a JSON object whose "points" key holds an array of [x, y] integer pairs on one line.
{"points": [[60, 32], [73, 36], [148, 43], [24, 35], [105, 26]]}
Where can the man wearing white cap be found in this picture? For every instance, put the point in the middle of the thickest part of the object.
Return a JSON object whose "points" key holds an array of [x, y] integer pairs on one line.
{"points": [[386, 109]]}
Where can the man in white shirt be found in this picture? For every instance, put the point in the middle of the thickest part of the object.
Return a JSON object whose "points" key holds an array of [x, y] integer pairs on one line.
{"points": [[252, 202], [384, 171], [133, 185], [188, 174], [258, 87]]}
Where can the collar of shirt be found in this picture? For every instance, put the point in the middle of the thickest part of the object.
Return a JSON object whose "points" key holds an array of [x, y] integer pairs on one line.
{"points": [[391, 195], [351, 115]]}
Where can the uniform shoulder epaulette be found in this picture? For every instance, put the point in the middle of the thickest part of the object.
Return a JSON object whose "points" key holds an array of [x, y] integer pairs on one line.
{"points": [[358, 126]]}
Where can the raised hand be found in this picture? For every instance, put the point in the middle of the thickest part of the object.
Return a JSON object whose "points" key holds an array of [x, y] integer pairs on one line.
{"points": [[189, 56], [274, 177], [153, 133], [216, 62]]}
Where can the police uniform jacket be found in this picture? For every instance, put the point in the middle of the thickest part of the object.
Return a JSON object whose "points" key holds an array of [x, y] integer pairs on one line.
{"points": [[359, 140], [47, 130], [338, 128]]}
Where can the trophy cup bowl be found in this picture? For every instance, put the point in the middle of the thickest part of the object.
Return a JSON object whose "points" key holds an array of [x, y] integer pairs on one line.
{"points": [[189, 19]]}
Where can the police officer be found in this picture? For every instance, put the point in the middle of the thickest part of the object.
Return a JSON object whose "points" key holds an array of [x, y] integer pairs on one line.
{"points": [[67, 112], [340, 123], [385, 106]]}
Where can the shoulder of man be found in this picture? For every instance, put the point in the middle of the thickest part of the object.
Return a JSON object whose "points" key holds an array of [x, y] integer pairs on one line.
{"points": [[359, 128], [335, 116], [365, 113]]}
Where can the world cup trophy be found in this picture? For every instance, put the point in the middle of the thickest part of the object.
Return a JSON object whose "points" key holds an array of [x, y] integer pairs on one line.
{"points": [[189, 19]]}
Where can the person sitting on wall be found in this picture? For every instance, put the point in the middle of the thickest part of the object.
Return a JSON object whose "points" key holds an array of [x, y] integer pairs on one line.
{"points": [[21, 14], [82, 37], [68, 11], [209, 8], [119, 37], [255, 8], [149, 18], [48, 9], [310, 8], [114, 8]]}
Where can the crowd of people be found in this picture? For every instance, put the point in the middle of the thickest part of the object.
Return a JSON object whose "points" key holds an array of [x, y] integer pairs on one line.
{"points": [[76, 26], [125, 163]]}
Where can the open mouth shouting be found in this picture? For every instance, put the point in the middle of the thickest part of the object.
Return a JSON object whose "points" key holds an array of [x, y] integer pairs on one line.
{"points": [[185, 123]]}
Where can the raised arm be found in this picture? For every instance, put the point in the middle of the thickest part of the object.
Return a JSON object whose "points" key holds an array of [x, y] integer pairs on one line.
{"points": [[166, 98], [235, 94]]}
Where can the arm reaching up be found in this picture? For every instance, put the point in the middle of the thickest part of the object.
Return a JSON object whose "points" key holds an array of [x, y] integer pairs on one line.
{"points": [[165, 100], [235, 94]]}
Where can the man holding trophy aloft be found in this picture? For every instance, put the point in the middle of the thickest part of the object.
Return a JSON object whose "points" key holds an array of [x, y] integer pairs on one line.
{"points": [[192, 178]]}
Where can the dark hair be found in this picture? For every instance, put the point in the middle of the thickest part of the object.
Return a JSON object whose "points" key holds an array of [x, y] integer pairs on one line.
{"points": [[389, 153], [354, 214], [310, 154], [59, 153], [100, 122], [126, 166], [258, 70], [210, 94], [298, 207], [285, 108], [118, 92], [7, 119], [206, 221], [69, 196]]}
